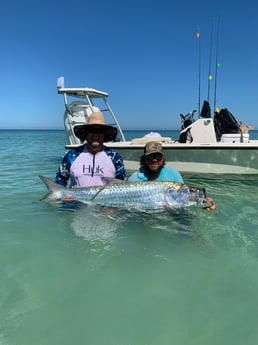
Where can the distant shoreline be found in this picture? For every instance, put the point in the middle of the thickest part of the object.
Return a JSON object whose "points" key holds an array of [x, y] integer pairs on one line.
{"points": [[60, 129], [31, 129]]}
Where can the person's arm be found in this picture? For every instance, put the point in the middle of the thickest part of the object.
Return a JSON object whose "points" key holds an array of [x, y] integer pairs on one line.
{"points": [[63, 172], [134, 177], [170, 174], [177, 177], [119, 165]]}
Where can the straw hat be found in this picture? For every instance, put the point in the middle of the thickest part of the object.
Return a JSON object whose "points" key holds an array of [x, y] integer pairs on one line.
{"points": [[97, 120]]}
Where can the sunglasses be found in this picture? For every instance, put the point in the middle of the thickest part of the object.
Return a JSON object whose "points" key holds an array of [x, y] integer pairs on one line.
{"points": [[95, 130], [157, 156]]}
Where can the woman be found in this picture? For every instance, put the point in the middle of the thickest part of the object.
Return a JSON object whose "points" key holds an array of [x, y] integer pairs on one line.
{"points": [[86, 165]]}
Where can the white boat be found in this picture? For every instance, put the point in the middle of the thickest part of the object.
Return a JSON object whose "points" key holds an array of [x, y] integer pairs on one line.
{"points": [[201, 152]]}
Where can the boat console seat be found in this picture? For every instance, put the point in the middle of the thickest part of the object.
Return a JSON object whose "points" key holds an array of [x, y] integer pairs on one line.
{"points": [[81, 109], [77, 114]]}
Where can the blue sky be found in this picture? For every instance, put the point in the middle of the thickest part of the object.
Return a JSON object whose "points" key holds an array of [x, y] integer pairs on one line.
{"points": [[144, 53]]}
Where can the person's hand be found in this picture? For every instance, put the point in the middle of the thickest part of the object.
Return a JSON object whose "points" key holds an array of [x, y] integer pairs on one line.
{"points": [[67, 198], [211, 204]]}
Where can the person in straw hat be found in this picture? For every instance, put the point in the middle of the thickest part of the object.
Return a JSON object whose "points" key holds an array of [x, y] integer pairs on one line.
{"points": [[152, 167], [86, 165]]}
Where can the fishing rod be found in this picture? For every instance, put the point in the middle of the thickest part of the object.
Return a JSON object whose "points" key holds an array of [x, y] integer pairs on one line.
{"points": [[216, 66], [198, 35], [210, 75]]}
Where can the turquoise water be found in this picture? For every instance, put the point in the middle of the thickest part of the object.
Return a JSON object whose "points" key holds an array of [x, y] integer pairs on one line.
{"points": [[76, 276]]}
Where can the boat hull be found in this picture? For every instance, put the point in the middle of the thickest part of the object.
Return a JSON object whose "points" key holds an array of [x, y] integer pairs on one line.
{"points": [[217, 158], [199, 150]]}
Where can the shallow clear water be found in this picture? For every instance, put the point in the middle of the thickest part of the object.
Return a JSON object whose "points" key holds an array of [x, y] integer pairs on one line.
{"points": [[78, 276]]}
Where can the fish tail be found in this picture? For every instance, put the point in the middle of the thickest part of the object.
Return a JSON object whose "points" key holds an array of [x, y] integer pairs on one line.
{"points": [[53, 187]]}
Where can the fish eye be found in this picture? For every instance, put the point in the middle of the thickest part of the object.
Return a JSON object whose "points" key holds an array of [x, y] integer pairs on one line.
{"points": [[193, 189]]}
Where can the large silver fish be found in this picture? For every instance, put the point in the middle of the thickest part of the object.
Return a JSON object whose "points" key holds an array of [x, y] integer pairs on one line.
{"points": [[141, 196]]}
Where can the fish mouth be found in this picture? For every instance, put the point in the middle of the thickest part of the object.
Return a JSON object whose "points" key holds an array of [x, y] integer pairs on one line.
{"points": [[197, 190], [197, 195]]}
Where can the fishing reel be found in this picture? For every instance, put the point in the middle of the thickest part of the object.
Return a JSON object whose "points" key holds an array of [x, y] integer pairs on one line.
{"points": [[187, 120]]}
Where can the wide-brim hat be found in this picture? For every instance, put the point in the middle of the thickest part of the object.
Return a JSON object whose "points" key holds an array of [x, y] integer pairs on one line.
{"points": [[96, 119], [152, 147]]}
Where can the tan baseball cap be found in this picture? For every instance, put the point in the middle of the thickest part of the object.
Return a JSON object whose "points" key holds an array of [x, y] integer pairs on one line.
{"points": [[152, 147]]}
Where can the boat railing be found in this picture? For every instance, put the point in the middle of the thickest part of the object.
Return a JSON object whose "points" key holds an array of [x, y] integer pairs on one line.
{"points": [[85, 101]]}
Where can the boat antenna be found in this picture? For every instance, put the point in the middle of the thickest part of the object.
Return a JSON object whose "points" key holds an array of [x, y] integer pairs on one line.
{"points": [[217, 66], [210, 75], [198, 35]]}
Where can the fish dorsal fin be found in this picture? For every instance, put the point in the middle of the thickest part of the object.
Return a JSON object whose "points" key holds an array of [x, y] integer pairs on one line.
{"points": [[107, 181], [110, 180]]}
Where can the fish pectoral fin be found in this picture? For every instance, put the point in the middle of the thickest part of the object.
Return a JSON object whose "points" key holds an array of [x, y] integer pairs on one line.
{"points": [[45, 197]]}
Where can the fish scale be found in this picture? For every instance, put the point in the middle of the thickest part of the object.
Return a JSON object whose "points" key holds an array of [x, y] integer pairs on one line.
{"points": [[151, 195], [145, 194]]}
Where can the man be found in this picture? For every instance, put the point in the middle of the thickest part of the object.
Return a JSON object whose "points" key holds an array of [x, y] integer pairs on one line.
{"points": [[153, 168], [86, 165]]}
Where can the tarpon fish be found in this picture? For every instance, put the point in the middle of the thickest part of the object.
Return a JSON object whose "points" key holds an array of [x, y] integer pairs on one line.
{"points": [[151, 195]]}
